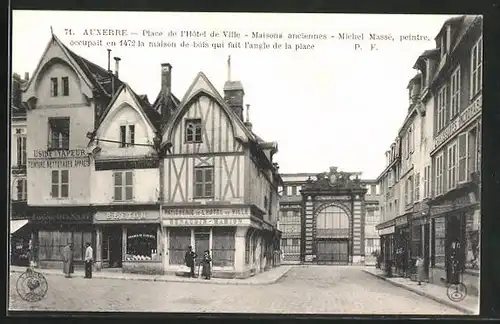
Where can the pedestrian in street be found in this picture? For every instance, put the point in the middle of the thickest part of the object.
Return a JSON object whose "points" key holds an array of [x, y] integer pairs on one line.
{"points": [[89, 256], [67, 255], [189, 258], [207, 269], [420, 270]]}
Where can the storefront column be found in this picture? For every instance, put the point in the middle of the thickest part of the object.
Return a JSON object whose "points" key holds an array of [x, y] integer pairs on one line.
{"points": [[239, 249], [210, 240], [192, 239], [165, 242], [98, 248], [124, 242]]}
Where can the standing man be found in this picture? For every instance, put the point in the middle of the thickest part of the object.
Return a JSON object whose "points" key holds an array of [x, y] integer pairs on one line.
{"points": [[68, 259], [189, 258], [89, 253]]}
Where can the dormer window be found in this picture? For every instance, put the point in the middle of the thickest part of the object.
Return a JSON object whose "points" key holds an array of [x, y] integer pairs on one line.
{"points": [[127, 135], [193, 131], [54, 87]]}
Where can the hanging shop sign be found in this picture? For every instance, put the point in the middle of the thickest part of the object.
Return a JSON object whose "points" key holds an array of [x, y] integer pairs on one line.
{"points": [[172, 222], [208, 212], [150, 216], [387, 230], [54, 159], [467, 115]]}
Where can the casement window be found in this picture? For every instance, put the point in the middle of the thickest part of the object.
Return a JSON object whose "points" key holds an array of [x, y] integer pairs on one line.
{"points": [[193, 131], [463, 157], [59, 133], [123, 185], [455, 93], [204, 182], [21, 151], [442, 102], [416, 187], [60, 184], [54, 87], [476, 61], [127, 135], [21, 186], [438, 167], [472, 145], [452, 166], [427, 176], [294, 191], [65, 86]]}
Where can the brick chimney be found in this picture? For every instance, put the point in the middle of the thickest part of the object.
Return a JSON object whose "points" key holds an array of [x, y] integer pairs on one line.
{"points": [[117, 65], [247, 123], [234, 93], [166, 79]]}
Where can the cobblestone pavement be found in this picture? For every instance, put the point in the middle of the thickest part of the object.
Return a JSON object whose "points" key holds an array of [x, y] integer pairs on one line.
{"points": [[304, 289]]}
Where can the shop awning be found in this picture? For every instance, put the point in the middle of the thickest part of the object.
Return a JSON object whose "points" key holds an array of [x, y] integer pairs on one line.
{"points": [[16, 225]]}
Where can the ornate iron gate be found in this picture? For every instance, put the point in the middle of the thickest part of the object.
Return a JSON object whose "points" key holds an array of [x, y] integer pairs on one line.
{"points": [[332, 251]]}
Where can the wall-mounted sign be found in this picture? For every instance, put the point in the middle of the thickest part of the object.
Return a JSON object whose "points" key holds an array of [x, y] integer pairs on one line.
{"points": [[206, 222], [82, 162], [190, 212], [49, 154], [386, 231], [333, 198], [468, 114], [141, 236], [147, 163], [54, 216], [122, 216], [402, 221]]}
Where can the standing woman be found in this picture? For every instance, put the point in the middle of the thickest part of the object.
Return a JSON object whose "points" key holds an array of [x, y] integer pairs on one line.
{"points": [[206, 271], [420, 270], [68, 260]]}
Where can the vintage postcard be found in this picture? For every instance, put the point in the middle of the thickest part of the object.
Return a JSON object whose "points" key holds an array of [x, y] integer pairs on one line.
{"points": [[245, 163]]}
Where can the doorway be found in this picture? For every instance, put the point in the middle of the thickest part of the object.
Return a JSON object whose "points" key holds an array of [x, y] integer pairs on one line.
{"points": [[112, 246], [426, 249], [201, 244], [332, 251]]}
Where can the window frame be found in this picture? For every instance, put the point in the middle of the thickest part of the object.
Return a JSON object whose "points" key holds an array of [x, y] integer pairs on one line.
{"points": [[61, 139], [127, 135], [197, 126], [439, 174], [476, 70], [21, 146], [65, 86], [452, 166], [463, 159], [123, 185], [455, 89], [59, 184], [21, 195], [442, 103], [204, 183], [54, 87]]}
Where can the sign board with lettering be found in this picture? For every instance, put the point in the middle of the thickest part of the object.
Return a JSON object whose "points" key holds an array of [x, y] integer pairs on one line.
{"points": [[54, 216], [207, 212], [333, 198], [54, 159], [148, 163], [387, 230], [467, 115], [180, 222], [142, 216], [402, 221]]}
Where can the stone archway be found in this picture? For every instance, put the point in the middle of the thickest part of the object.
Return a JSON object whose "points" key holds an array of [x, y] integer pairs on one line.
{"points": [[333, 234]]}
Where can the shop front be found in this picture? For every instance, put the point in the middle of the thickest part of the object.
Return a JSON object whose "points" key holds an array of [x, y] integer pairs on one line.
{"points": [[239, 243], [402, 245], [386, 234], [20, 233], [53, 228], [455, 238], [129, 240]]}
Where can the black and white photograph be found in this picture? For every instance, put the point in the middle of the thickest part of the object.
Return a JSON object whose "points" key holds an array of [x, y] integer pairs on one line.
{"points": [[269, 163]]}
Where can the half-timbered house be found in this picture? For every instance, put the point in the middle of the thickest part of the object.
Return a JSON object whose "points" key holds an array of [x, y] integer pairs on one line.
{"points": [[219, 184]]}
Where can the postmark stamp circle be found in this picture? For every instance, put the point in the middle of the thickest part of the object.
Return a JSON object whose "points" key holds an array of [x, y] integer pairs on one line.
{"points": [[456, 292], [32, 286]]}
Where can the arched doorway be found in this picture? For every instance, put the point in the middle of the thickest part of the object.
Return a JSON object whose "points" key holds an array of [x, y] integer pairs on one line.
{"points": [[332, 235]]}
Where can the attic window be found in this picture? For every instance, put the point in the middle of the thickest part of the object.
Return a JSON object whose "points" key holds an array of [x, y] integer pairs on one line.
{"points": [[53, 87], [127, 135], [193, 131]]}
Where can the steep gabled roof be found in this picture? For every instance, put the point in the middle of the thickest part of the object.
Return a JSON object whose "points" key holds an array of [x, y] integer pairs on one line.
{"points": [[151, 114]]}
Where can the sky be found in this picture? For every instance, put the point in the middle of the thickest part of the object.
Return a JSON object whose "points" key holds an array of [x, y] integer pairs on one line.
{"points": [[331, 105]]}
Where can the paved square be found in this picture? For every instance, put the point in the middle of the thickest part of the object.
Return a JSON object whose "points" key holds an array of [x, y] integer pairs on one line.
{"points": [[304, 289]]}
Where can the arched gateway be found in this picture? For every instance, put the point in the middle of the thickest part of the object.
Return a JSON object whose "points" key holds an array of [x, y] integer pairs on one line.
{"points": [[333, 220]]}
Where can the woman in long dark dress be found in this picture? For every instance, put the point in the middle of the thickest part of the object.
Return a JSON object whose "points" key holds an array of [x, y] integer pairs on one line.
{"points": [[206, 271]]}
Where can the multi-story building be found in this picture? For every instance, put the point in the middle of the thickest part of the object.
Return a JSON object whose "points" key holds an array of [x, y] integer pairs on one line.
{"points": [[292, 225], [439, 178], [19, 232], [64, 98]]}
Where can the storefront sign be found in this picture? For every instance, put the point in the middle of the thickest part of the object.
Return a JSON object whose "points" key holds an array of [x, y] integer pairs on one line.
{"points": [[54, 216], [53, 159], [189, 212], [468, 114], [402, 221], [148, 236], [386, 231], [126, 165], [206, 222], [120, 216]]}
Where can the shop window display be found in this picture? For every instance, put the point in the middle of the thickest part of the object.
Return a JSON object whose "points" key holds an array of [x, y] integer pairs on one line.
{"points": [[142, 244], [439, 241]]}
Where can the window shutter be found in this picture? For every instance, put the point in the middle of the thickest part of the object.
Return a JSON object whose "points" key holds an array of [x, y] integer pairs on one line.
{"points": [[462, 157]]}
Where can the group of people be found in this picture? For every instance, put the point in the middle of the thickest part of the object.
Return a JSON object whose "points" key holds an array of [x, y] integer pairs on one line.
{"points": [[68, 266], [189, 259]]}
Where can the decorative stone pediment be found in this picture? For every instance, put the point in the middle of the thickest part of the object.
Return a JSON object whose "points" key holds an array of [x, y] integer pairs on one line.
{"points": [[334, 179]]}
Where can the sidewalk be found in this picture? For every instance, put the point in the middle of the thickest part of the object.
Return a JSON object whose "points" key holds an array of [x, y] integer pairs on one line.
{"points": [[469, 305], [264, 278]]}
